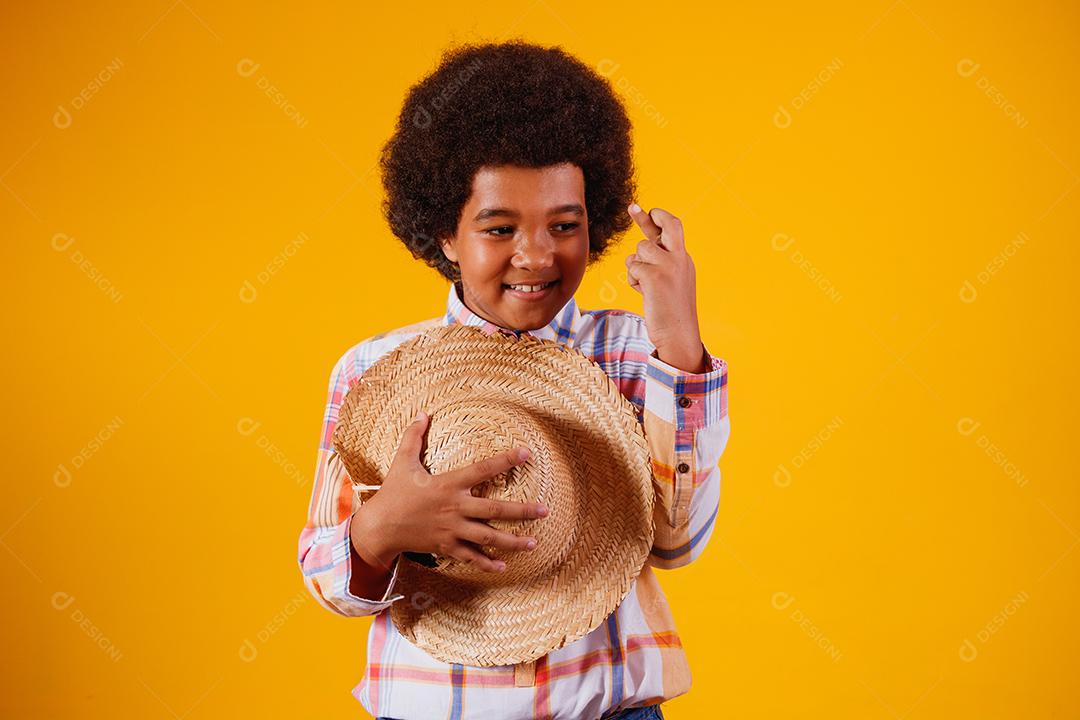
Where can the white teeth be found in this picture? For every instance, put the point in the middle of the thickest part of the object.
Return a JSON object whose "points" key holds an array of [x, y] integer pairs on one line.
{"points": [[529, 288]]}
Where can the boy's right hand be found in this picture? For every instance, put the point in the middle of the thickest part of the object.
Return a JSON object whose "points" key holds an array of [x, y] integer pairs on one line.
{"points": [[417, 512]]}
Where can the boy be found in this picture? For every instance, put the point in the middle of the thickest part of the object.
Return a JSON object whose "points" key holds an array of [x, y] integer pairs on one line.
{"points": [[509, 172]]}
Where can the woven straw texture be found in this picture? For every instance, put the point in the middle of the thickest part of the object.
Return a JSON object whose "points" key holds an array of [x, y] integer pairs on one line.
{"points": [[487, 393]]}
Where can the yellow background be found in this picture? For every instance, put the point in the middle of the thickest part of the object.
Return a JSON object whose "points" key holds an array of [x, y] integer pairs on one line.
{"points": [[888, 269]]}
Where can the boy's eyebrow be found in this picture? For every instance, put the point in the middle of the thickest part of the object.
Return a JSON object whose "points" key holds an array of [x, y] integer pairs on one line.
{"points": [[487, 213]]}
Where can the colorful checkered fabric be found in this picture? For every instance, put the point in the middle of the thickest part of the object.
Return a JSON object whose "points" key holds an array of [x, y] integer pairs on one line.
{"points": [[635, 657]]}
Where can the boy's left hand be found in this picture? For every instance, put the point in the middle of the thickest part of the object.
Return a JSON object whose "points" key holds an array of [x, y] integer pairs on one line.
{"points": [[663, 272]]}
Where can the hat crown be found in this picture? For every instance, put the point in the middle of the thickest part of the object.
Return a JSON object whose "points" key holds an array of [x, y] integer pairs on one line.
{"points": [[547, 477]]}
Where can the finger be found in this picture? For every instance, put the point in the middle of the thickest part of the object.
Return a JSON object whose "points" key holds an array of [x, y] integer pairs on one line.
{"points": [[650, 251], [637, 263], [672, 231], [472, 556], [412, 440], [641, 270], [487, 468], [632, 270], [486, 536], [492, 509], [645, 222]]}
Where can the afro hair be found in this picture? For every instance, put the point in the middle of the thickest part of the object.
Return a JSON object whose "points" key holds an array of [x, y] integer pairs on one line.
{"points": [[511, 103]]}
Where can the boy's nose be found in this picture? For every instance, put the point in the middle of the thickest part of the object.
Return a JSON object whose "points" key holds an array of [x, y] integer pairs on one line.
{"points": [[535, 251]]}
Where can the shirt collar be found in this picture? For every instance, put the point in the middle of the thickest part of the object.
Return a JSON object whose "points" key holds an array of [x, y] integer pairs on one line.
{"points": [[561, 329]]}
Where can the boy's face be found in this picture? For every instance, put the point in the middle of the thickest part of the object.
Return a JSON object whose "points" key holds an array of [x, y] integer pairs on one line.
{"points": [[521, 226]]}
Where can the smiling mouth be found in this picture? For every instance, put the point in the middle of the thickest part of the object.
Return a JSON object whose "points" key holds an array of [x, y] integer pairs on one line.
{"points": [[527, 288]]}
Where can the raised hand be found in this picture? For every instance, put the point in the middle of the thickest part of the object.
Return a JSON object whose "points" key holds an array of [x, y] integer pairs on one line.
{"points": [[663, 272]]}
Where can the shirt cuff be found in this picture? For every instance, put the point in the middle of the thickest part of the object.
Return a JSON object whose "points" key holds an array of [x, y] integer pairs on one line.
{"points": [[366, 606], [689, 401]]}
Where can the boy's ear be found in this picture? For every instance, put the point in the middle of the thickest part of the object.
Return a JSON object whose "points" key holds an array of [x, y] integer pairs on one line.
{"points": [[448, 249]]}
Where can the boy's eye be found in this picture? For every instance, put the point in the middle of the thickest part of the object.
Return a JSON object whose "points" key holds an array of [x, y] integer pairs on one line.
{"points": [[561, 227]]}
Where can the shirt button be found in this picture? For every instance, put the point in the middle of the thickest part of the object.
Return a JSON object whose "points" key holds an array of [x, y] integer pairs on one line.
{"points": [[685, 401], [683, 467]]}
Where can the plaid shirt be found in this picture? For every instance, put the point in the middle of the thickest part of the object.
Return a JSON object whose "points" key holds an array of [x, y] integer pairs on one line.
{"points": [[635, 656]]}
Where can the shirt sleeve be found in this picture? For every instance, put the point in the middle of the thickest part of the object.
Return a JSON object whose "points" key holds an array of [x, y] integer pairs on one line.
{"points": [[687, 427], [324, 547]]}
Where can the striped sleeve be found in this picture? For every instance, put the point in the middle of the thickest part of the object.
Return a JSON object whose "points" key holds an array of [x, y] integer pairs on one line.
{"points": [[325, 547], [687, 427]]}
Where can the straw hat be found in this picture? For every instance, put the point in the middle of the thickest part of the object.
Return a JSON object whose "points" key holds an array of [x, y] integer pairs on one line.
{"points": [[487, 393]]}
